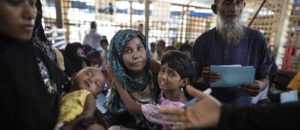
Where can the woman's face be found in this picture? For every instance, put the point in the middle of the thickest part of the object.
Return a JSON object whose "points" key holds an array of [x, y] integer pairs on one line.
{"points": [[17, 18], [135, 56]]}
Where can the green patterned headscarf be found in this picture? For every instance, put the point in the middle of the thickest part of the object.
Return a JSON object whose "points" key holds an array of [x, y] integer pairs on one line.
{"points": [[113, 103], [116, 48]]}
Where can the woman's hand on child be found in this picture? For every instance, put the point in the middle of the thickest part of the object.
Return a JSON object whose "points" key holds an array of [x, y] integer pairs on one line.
{"points": [[111, 74]]}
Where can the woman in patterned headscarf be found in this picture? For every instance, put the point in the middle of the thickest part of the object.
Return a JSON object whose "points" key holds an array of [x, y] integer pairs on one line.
{"points": [[129, 59], [38, 35], [75, 58]]}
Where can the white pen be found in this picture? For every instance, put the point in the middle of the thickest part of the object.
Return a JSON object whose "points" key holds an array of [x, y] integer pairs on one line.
{"points": [[194, 100]]}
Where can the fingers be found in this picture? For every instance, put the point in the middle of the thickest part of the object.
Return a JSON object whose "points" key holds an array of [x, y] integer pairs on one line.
{"points": [[250, 87], [252, 90], [182, 126], [176, 118], [209, 76], [196, 93], [173, 114], [111, 73], [171, 110]]}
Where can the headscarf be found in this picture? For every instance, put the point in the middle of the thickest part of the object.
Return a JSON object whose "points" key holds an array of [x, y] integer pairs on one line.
{"points": [[115, 59], [73, 62], [38, 37], [113, 103]]}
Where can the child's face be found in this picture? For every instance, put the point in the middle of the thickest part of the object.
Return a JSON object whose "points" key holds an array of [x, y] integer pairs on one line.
{"points": [[134, 56], [160, 47], [104, 45], [80, 52], [17, 18], [169, 79], [91, 79]]}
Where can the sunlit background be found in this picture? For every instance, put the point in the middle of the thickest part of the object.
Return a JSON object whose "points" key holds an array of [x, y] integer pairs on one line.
{"points": [[175, 21]]}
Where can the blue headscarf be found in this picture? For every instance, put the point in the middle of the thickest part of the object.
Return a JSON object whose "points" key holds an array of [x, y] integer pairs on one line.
{"points": [[116, 48], [115, 59]]}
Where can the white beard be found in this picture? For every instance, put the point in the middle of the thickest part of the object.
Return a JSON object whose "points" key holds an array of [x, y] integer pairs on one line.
{"points": [[232, 32]]}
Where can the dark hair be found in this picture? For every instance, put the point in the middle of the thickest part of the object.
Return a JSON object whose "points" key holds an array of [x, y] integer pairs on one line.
{"points": [[179, 62], [103, 41], [94, 58], [186, 47], [71, 51], [93, 25], [161, 42], [152, 44], [169, 48]]}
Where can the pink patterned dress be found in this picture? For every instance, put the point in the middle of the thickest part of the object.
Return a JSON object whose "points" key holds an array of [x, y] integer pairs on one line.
{"points": [[150, 111]]}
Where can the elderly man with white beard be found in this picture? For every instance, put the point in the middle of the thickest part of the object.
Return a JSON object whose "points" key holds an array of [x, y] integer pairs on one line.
{"points": [[231, 43]]}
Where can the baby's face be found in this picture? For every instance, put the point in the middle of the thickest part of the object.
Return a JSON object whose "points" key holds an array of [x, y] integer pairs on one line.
{"points": [[91, 79]]}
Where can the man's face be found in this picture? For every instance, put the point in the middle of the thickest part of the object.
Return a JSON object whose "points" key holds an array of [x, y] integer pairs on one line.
{"points": [[230, 10]]}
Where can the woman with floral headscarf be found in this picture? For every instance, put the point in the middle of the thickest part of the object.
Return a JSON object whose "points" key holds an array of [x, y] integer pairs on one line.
{"points": [[75, 58], [130, 61]]}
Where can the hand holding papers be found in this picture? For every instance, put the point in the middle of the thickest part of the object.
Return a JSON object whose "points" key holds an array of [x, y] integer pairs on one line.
{"points": [[233, 75]]}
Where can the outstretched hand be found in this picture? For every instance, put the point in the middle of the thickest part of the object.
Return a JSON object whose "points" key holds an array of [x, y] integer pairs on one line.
{"points": [[203, 114]]}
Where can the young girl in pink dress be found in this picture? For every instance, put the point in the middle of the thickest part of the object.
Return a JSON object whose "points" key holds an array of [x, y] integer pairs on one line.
{"points": [[176, 72]]}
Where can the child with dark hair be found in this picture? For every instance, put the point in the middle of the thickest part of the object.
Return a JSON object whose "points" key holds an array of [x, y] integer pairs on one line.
{"points": [[104, 66], [94, 59], [104, 43], [176, 72], [104, 53]]}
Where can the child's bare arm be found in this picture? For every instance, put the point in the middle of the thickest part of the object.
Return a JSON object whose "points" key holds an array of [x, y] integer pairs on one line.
{"points": [[89, 107]]}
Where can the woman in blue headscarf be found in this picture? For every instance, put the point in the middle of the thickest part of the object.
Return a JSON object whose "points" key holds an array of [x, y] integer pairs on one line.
{"points": [[130, 61]]}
